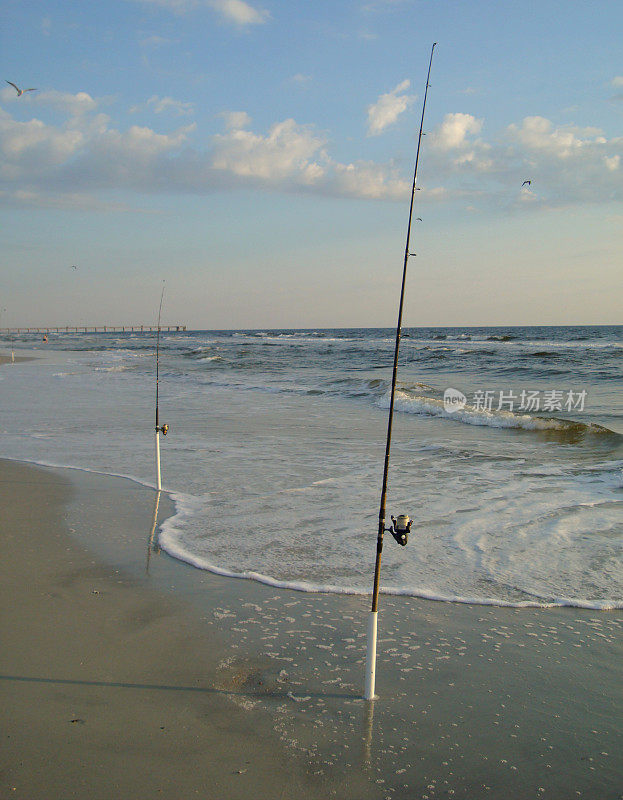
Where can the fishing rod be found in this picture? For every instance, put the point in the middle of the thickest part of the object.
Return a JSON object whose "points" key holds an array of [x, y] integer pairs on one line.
{"points": [[152, 543], [400, 527], [159, 428]]}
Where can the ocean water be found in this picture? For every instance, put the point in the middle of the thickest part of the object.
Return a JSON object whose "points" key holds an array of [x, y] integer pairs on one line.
{"points": [[277, 437]]}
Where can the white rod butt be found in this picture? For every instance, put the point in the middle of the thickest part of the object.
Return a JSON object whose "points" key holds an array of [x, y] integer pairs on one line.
{"points": [[158, 481], [371, 657]]}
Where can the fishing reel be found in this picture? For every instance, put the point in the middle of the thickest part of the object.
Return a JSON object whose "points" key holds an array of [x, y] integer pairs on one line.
{"points": [[163, 429], [400, 528]]}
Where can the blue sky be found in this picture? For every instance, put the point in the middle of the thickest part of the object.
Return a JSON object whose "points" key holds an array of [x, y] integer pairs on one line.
{"points": [[258, 156]]}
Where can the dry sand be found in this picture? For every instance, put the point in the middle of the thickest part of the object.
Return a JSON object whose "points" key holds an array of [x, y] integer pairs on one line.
{"points": [[178, 683]]}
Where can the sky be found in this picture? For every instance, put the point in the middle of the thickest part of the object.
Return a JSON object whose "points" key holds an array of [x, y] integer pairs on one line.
{"points": [[257, 155]]}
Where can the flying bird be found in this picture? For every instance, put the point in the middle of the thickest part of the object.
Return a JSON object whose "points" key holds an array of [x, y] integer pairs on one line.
{"points": [[73, 266], [525, 182], [19, 91]]}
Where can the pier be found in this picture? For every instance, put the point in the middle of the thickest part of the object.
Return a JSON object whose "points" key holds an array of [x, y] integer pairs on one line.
{"points": [[97, 329]]}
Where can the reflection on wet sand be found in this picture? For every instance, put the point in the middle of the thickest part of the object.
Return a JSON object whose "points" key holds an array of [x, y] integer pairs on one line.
{"points": [[152, 543]]}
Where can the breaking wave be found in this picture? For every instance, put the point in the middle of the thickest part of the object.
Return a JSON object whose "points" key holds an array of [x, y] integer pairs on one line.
{"points": [[470, 415]]}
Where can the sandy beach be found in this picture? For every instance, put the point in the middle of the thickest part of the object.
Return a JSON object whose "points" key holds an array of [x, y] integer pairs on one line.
{"points": [[128, 674], [108, 688]]}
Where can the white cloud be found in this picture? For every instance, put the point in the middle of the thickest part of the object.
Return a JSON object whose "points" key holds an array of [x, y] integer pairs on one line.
{"points": [[300, 79], [454, 130], [73, 104], [239, 12], [86, 154], [293, 157], [236, 11], [65, 102], [370, 181], [283, 153], [388, 108], [235, 120], [617, 83], [538, 133], [34, 144], [567, 164], [163, 104]]}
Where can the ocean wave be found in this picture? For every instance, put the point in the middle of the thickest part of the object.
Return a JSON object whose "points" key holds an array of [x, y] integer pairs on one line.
{"points": [[471, 415], [171, 543]]}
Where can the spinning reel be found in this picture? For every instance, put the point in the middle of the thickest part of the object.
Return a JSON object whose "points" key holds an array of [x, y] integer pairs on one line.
{"points": [[400, 528]]}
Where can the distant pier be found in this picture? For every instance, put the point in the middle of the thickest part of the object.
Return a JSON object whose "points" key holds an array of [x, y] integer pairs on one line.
{"points": [[98, 329]]}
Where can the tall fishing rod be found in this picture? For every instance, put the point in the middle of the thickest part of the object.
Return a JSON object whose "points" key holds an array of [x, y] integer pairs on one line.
{"points": [[400, 527], [159, 428]]}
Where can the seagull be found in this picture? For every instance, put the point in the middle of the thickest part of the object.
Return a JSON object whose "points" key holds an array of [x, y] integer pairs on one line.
{"points": [[19, 91], [525, 182], [73, 266]]}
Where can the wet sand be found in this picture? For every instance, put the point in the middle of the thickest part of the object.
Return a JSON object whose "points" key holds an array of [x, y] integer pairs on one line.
{"points": [[129, 674], [6, 359], [108, 687]]}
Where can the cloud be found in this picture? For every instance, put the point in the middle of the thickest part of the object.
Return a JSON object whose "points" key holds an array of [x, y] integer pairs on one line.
{"points": [[617, 83], [388, 108], [539, 134], [73, 104], [66, 103], [87, 155], [369, 181], [454, 130], [287, 150], [33, 146], [567, 164], [163, 104], [453, 143], [300, 79], [235, 119], [237, 12]]}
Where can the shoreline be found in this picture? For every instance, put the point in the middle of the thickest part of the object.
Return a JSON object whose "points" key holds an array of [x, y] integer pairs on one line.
{"points": [[107, 684], [474, 700]]}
